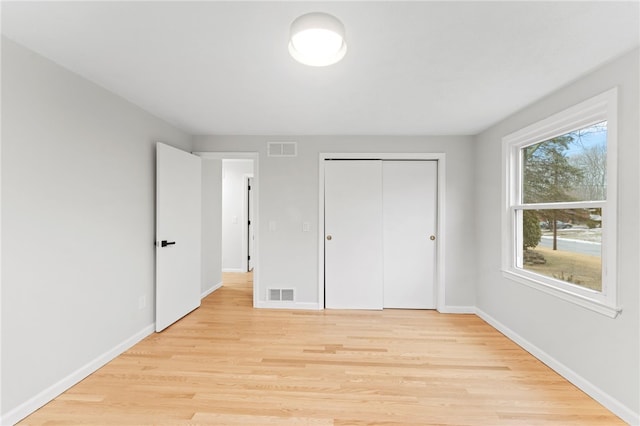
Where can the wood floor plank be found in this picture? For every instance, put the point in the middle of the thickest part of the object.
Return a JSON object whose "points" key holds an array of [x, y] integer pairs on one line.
{"points": [[229, 364]]}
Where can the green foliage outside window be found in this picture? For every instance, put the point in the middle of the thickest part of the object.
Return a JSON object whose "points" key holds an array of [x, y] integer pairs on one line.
{"points": [[531, 229], [553, 172]]}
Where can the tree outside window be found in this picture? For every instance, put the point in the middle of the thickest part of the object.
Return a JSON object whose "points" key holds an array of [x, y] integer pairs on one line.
{"points": [[570, 168]]}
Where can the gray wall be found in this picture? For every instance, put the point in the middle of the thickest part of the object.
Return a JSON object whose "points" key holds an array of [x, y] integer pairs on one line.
{"points": [[78, 185], [78, 225], [211, 220], [288, 196], [602, 350]]}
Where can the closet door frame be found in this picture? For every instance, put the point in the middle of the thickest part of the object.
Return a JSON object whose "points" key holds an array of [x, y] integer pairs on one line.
{"points": [[440, 234]]}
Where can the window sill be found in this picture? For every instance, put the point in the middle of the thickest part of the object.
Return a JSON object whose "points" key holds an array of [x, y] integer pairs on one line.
{"points": [[585, 302]]}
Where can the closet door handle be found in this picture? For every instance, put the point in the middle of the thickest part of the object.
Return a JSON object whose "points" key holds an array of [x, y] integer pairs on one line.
{"points": [[329, 237], [165, 243]]}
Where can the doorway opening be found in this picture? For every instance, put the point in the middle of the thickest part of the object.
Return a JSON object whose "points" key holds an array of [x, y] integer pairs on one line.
{"points": [[235, 205], [236, 227]]}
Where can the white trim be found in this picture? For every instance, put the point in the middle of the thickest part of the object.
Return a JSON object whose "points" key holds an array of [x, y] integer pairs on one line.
{"points": [[585, 113], [255, 156], [1, 422], [233, 270], [321, 301], [47, 395], [210, 290], [567, 295], [441, 288], [598, 108], [609, 402], [567, 205], [381, 155], [269, 304], [441, 216], [457, 309], [220, 155]]}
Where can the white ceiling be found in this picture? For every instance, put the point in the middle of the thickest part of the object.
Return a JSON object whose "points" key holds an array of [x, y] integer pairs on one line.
{"points": [[411, 67]]}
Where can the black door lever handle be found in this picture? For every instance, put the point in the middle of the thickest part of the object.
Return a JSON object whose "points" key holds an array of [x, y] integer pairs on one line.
{"points": [[165, 243]]}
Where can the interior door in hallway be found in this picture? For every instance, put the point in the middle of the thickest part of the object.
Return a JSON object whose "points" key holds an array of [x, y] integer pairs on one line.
{"points": [[409, 211], [250, 225], [353, 234], [178, 234]]}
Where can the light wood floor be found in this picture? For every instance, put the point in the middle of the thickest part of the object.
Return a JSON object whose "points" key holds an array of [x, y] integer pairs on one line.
{"points": [[229, 364]]}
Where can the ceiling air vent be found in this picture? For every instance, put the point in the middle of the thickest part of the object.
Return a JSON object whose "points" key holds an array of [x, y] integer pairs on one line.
{"points": [[282, 149]]}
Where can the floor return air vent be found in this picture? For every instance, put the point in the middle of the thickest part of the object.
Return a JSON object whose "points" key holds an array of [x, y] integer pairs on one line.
{"points": [[281, 294]]}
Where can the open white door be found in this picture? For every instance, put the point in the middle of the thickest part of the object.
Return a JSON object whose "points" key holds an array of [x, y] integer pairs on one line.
{"points": [[178, 234], [353, 240], [250, 225]]}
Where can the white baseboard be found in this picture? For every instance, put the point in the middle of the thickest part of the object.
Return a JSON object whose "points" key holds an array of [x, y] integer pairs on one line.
{"points": [[612, 404], [457, 309], [210, 290], [264, 304], [316, 306], [233, 270], [47, 395]]}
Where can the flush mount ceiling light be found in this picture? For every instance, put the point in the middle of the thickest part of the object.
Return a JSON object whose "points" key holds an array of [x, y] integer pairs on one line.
{"points": [[317, 39]]}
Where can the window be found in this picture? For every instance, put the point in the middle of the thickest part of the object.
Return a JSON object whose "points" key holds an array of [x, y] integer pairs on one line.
{"points": [[559, 233]]}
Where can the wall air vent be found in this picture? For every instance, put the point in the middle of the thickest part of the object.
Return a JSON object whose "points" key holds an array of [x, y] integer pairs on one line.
{"points": [[282, 149], [287, 294], [281, 294]]}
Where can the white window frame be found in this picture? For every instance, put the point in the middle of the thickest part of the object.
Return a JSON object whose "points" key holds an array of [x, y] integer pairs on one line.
{"points": [[594, 110]]}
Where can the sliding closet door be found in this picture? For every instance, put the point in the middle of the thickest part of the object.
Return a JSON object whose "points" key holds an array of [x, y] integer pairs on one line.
{"points": [[353, 234], [410, 196]]}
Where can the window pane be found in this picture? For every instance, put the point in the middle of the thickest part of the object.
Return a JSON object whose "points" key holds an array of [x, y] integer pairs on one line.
{"points": [[571, 167], [564, 244]]}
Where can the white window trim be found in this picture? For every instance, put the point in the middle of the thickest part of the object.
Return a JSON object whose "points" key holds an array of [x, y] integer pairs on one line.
{"points": [[599, 108]]}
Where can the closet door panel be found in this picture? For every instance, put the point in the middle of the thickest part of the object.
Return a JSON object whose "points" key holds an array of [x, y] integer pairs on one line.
{"points": [[409, 211], [353, 234]]}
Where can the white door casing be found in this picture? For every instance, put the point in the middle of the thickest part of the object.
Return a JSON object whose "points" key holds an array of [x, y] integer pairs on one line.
{"points": [[178, 224], [409, 211], [353, 234]]}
